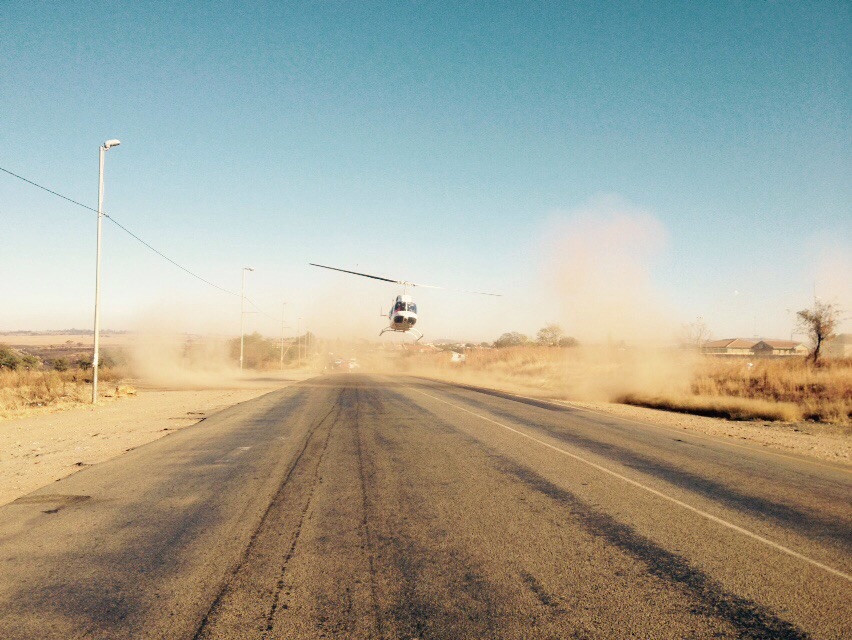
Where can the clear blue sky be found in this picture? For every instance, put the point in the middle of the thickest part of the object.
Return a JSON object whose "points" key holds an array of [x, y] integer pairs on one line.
{"points": [[446, 143]]}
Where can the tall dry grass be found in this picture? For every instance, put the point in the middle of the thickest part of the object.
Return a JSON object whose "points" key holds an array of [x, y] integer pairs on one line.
{"points": [[24, 390], [821, 393], [785, 390]]}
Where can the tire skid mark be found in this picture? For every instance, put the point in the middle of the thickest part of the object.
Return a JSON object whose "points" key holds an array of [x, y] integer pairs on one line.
{"points": [[365, 524], [277, 601], [217, 602], [541, 594], [468, 605]]}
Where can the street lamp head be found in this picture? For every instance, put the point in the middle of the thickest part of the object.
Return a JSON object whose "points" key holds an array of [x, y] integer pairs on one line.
{"points": [[247, 269], [109, 144]]}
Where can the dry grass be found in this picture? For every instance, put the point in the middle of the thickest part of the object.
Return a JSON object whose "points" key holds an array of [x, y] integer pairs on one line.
{"points": [[796, 387], [23, 391], [732, 408], [784, 390]]}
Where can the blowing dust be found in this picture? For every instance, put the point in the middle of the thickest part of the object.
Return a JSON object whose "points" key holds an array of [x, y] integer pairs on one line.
{"points": [[591, 373], [176, 362], [599, 260]]}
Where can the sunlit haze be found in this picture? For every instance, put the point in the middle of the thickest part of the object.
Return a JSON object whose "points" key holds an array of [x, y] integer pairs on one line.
{"points": [[618, 168]]}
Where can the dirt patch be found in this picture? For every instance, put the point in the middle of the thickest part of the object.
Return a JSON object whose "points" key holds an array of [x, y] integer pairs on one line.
{"points": [[40, 449]]}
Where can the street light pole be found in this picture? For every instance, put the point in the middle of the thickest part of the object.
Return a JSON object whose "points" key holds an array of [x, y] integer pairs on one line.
{"points": [[243, 316], [299, 338], [283, 309], [95, 355]]}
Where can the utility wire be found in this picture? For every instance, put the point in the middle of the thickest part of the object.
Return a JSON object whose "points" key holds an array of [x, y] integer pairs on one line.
{"points": [[261, 311], [79, 204], [135, 237], [164, 256]]}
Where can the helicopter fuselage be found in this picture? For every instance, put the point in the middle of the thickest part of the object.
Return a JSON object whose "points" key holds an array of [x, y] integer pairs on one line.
{"points": [[402, 314]]}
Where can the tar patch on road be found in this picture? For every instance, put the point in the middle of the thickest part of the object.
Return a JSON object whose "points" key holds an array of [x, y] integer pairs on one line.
{"points": [[53, 502]]}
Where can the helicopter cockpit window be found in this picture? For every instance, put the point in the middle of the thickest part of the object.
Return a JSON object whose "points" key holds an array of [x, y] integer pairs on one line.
{"points": [[412, 307], [400, 306]]}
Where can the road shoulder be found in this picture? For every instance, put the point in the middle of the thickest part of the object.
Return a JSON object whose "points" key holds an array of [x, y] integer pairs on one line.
{"points": [[822, 442], [38, 450]]}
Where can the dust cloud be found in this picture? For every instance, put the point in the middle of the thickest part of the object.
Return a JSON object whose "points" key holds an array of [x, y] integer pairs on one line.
{"points": [[178, 362], [832, 275], [598, 260], [586, 373]]}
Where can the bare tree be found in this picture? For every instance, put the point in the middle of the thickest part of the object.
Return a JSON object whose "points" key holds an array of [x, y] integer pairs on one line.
{"points": [[695, 333], [819, 323]]}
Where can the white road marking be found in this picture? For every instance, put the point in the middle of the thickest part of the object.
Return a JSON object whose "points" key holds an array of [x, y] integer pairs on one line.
{"points": [[687, 432], [691, 434], [660, 494]]}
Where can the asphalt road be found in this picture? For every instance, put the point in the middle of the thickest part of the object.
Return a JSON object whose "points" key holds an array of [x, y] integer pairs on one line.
{"points": [[355, 506]]}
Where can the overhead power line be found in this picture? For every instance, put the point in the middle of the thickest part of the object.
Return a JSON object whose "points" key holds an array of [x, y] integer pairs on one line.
{"points": [[165, 257], [261, 311], [79, 204], [137, 238]]}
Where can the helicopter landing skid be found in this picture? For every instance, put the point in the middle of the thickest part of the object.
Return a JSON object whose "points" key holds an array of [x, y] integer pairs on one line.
{"points": [[414, 332]]}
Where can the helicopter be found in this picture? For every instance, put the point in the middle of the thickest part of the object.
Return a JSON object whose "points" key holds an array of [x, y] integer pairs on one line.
{"points": [[403, 312]]}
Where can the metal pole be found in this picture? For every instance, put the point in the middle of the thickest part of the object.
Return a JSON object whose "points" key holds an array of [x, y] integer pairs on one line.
{"points": [[98, 277], [283, 309], [299, 338], [242, 319]]}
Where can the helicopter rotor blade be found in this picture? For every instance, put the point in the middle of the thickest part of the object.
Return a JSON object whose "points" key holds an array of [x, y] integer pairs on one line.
{"points": [[479, 293], [430, 286], [405, 283], [355, 273]]}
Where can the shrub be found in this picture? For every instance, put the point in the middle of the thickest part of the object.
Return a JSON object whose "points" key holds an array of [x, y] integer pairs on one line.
{"points": [[8, 358], [30, 362]]}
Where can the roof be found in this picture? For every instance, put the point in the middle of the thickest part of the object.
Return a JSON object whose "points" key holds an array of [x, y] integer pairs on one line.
{"points": [[731, 343], [750, 343], [781, 344]]}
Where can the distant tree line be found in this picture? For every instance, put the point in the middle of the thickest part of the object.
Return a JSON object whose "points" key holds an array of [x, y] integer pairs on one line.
{"points": [[15, 361], [551, 335], [265, 353]]}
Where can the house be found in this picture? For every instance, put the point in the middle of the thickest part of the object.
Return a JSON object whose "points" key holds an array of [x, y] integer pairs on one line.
{"points": [[729, 347], [754, 348], [779, 348]]}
